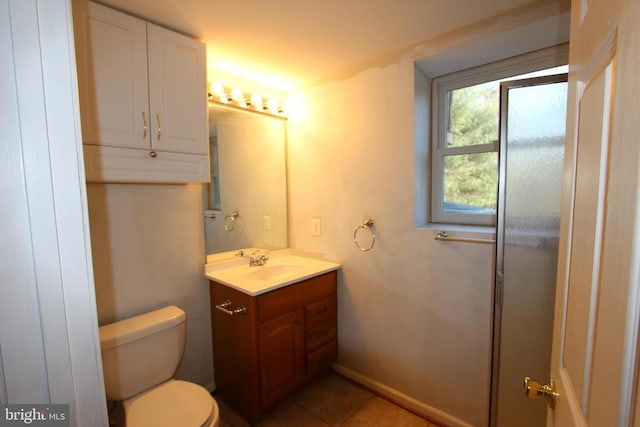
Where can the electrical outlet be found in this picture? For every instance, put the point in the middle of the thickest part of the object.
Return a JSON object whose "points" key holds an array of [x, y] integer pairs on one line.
{"points": [[316, 226], [266, 222]]}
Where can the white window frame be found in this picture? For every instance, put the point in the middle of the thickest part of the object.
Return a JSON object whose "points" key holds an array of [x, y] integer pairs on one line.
{"points": [[518, 65]]}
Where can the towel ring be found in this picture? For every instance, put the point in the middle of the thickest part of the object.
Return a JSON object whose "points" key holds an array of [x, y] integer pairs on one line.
{"points": [[368, 225], [230, 221]]}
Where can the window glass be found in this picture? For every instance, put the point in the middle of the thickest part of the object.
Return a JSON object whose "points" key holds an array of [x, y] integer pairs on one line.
{"points": [[471, 183], [472, 116]]}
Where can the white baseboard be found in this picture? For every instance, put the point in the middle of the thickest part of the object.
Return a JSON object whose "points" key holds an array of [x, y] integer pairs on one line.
{"points": [[428, 411]]}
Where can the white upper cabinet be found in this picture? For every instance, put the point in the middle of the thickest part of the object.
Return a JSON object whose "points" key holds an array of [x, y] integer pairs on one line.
{"points": [[143, 100], [177, 92], [115, 80]]}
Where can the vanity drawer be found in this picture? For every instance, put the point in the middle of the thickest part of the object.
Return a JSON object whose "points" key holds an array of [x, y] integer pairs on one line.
{"points": [[320, 311], [322, 358], [318, 335], [281, 301], [319, 286], [276, 303]]}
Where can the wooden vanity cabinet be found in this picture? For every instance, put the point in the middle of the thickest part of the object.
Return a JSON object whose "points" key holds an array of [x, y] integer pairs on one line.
{"points": [[284, 339]]}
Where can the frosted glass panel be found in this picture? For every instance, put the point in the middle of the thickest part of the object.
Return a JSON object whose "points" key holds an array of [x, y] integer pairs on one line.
{"points": [[533, 183], [535, 139]]}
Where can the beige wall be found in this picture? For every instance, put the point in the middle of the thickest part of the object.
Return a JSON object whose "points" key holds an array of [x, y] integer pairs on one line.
{"points": [[414, 313], [148, 252]]}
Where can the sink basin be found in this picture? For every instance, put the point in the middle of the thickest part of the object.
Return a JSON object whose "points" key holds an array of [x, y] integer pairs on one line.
{"points": [[268, 272], [280, 270]]}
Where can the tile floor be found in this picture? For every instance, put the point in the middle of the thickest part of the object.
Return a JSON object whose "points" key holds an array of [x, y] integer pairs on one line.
{"points": [[331, 401]]}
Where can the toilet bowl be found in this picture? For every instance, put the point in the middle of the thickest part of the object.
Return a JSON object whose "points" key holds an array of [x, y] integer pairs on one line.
{"points": [[172, 403], [140, 356]]}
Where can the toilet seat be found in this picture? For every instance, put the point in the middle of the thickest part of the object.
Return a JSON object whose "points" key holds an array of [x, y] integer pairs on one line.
{"points": [[172, 403]]}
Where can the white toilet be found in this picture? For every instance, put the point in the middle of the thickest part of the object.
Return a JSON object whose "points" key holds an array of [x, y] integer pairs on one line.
{"points": [[140, 356]]}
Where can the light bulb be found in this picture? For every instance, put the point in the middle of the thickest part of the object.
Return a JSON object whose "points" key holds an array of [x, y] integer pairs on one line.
{"points": [[256, 101], [236, 94], [217, 89], [272, 105]]}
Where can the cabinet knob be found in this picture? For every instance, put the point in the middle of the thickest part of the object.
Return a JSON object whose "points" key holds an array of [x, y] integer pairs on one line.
{"points": [[153, 154]]}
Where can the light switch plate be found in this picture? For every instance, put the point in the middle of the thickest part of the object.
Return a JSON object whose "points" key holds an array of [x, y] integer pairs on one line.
{"points": [[316, 226]]}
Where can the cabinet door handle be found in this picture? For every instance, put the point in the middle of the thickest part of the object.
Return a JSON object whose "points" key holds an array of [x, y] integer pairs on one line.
{"points": [[159, 130], [224, 307], [144, 125]]}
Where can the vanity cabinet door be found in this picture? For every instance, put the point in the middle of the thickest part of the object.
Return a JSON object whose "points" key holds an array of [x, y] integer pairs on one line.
{"points": [[281, 355]]}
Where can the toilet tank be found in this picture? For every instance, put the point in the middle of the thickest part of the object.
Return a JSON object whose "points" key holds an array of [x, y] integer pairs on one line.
{"points": [[142, 351]]}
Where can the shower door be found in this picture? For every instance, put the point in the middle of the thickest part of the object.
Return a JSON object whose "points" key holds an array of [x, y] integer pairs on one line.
{"points": [[533, 115]]}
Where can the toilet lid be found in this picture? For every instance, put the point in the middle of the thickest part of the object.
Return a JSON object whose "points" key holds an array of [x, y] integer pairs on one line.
{"points": [[173, 403]]}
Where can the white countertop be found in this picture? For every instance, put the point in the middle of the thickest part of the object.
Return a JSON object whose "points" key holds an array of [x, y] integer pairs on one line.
{"points": [[283, 268]]}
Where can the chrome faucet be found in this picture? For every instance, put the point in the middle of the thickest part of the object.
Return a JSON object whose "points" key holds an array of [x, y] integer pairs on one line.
{"points": [[258, 260]]}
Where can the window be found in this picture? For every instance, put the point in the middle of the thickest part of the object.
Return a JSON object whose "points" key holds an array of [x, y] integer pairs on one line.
{"points": [[465, 135]]}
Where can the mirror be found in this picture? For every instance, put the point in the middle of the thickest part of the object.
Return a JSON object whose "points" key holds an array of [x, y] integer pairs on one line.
{"points": [[246, 201]]}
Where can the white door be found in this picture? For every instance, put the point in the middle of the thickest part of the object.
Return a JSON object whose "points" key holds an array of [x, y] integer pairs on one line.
{"points": [[597, 307], [177, 92]]}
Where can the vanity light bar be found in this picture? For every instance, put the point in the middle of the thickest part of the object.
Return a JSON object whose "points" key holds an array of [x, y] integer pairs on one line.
{"points": [[219, 93]]}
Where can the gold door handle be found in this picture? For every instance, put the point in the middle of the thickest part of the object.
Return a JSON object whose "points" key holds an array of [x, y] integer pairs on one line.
{"points": [[534, 390]]}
